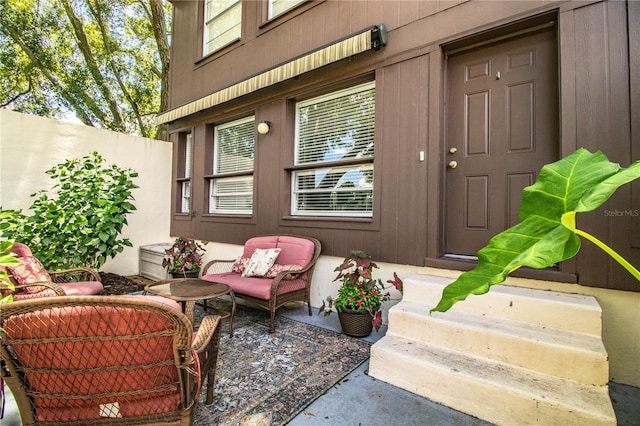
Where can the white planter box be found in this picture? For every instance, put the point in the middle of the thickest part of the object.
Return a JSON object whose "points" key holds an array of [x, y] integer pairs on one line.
{"points": [[151, 261]]}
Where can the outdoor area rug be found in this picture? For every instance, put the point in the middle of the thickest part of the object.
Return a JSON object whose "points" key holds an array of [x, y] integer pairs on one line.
{"points": [[267, 379]]}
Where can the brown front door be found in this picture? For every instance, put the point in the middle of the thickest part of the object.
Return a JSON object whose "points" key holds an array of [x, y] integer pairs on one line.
{"points": [[502, 127]]}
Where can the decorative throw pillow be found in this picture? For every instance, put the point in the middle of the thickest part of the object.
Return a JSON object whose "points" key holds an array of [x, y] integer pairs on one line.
{"points": [[240, 264], [29, 271], [260, 262], [277, 268]]}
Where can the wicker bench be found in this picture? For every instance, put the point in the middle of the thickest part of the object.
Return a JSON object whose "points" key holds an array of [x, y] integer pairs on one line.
{"points": [[287, 280]]}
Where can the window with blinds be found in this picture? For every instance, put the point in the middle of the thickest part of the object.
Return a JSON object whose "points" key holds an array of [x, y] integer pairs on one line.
{"points": [[231, 187], [184, 179], [277, 7], [335, 137], [222, 24]]}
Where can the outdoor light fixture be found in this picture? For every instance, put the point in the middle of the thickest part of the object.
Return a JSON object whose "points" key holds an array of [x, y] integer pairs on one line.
{"points": [[264, 127]]}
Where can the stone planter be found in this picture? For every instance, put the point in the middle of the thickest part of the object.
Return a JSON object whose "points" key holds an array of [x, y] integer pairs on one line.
{"points": [[354, 323]]}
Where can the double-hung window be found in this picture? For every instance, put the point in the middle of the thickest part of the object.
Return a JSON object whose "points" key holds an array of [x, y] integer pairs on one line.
{"points": [[185, 147], [276, 7], [222, 24], [231, 186], [334, 151]]}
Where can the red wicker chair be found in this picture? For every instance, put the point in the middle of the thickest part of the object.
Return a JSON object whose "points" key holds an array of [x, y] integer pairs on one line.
{"points": [[68, 282], [105, 360]]}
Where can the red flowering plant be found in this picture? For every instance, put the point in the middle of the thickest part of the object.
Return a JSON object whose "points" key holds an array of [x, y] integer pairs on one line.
{"points": [[359, 290], [183, 256]]}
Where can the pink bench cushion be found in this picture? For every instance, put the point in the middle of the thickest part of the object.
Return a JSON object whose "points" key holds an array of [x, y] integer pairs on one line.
{"points": [[295, 251], [97, 355], [254, 286]]}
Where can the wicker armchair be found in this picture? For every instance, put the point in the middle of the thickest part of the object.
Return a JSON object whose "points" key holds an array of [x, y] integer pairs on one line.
{"points": [[105, 360], [69, 282]]}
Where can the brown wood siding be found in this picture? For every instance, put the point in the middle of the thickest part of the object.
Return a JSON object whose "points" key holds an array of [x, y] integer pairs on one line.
{"points": [[595, 112], [633, 15], [601, 116]]}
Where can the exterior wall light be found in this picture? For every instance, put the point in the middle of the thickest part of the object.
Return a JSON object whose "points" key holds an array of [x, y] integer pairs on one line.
{"points": [[264, 127]]}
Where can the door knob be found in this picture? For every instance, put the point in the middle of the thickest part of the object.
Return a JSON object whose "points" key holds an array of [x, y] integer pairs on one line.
{"points": [[453, 164], [453, 150]]}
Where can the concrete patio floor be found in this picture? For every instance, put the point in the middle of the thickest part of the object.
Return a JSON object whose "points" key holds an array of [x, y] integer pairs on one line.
{"points": [[362, 400]]}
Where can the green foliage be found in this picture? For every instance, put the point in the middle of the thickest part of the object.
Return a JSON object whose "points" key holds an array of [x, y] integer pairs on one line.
{"points": [[547, 233], [359, 291], [104, 61], [79, 221], [6, 259]]}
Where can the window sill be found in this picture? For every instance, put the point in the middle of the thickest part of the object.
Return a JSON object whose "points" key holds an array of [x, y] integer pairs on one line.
{"points": [[228, 218], [364, 223]]}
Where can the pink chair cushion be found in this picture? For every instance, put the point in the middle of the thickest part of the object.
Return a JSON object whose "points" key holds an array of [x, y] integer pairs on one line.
{"points": [[294, 251], [175, 305], [254, 286], [295, 254], [82, 288], [21, 250], [97, 355], [30, 270]]}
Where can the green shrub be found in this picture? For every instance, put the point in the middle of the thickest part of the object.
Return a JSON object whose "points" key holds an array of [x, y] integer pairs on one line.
{"points": [[79, 220]]}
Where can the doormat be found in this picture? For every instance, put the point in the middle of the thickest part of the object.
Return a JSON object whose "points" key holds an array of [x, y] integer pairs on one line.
{"points": [[267, 379]]}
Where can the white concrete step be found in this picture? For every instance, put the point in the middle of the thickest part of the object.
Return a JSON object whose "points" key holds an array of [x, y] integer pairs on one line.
{"points": [[511, 356], [575, 356], [494, 391], [570, 312]]}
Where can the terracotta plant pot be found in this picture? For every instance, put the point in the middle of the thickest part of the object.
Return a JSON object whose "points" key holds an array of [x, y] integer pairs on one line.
{"points": [[354, 323]]}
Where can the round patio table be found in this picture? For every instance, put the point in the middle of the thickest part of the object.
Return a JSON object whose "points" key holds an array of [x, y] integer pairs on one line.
{"points": [[187, 291]]}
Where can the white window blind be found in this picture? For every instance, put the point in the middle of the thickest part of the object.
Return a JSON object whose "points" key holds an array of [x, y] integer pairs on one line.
{"points": [[336, 127], [222, 23], [186, 145], [188, 157], [233, 146], [276, 7], [232, 195], [336, 191], [186, 197], [339, 127], [233, 155]]}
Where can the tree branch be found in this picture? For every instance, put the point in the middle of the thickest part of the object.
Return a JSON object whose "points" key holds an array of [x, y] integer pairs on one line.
{"points": [[85, 49]]}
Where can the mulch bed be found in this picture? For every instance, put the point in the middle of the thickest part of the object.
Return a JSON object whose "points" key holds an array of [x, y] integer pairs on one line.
{"points": [[118, 284]]}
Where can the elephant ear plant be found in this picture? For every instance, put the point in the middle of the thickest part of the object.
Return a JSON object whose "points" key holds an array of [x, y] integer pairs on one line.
{"points": [[547, 233]]}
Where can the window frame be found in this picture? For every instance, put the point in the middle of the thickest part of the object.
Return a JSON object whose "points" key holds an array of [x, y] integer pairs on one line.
{"points": [[271, 15], [238, 175], [300, 168], [184, 173], [205, 32]]}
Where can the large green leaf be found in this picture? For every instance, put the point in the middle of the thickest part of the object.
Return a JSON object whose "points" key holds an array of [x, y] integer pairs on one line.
{"points": [[580, 182]]}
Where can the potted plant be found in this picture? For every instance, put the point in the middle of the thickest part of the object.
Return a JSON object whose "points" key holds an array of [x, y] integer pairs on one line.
{"points": [[360, 296], [183, 258]]}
